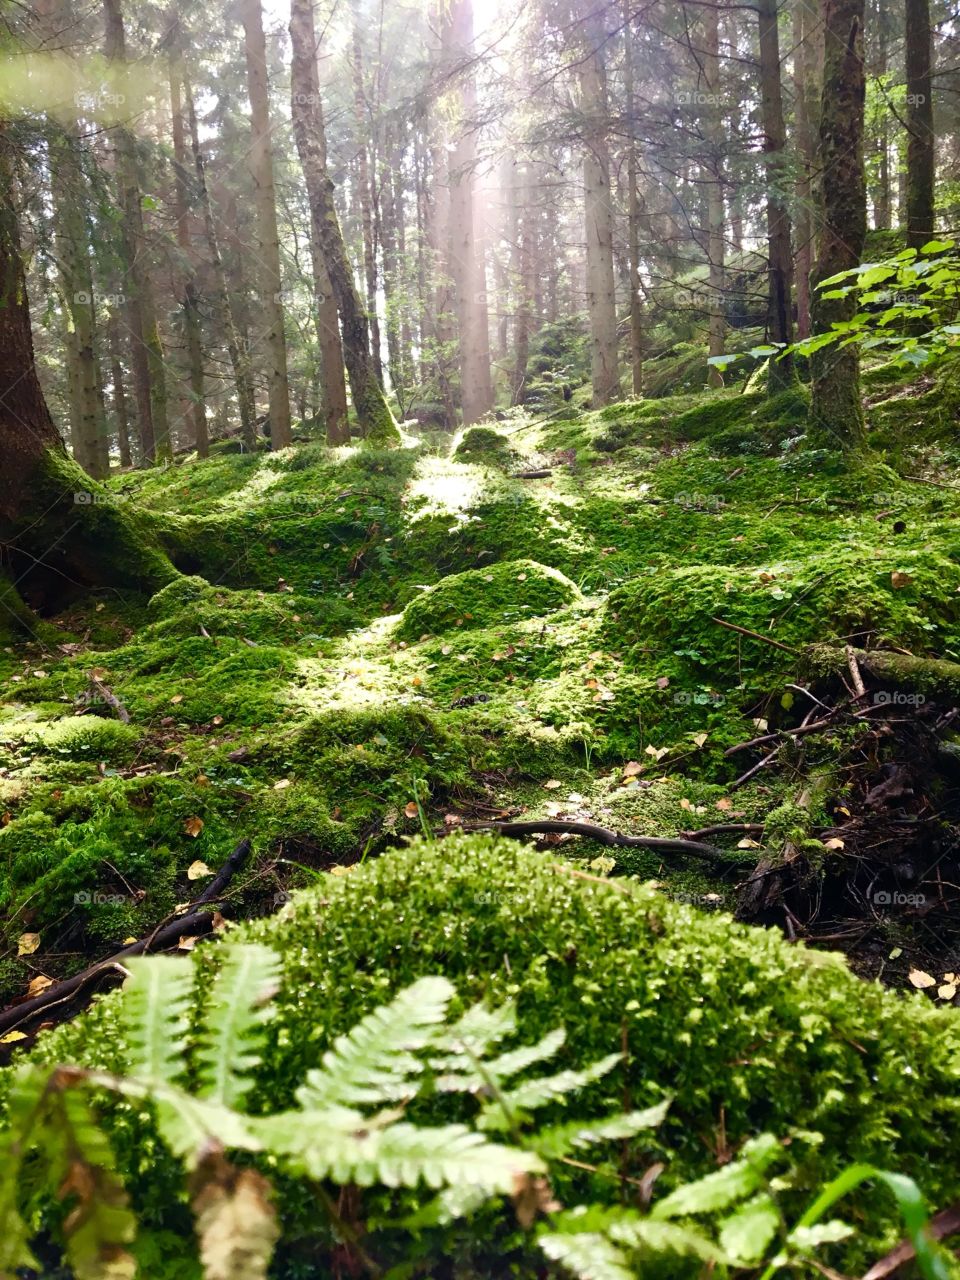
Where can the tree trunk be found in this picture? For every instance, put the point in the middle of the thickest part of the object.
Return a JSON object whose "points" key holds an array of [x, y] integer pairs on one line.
{"points": [[836, 410], [633, 212], [598, 217], [190, 301], [373, 412], [716, 247], [921, 160], [365, 188], [121, 413], [523, 205], [780, 264], [805, 77], [58, 529], [879, 19], [236, 350], [268, 239], [466, 259], [308, 132]]}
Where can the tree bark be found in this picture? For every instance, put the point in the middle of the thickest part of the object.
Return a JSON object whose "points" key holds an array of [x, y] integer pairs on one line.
{"points": [[466, 259], [716, 247], [523, 205], [58, 529], [805, 77], [921, 159], [779, 253], [598, 215], [373, 412], [836, 409], [196, 413], [268, 239], [121, 413], [311, 147], [633, 211], [365, 189]]}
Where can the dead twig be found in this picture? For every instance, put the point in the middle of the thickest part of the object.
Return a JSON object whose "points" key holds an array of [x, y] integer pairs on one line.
{"points": [[754, 635], [602, 835]]}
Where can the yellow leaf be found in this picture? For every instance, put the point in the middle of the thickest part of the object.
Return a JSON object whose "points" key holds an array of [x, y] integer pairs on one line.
{"points": [[947, 991], [177, 697], [282, 784], [39, 984], [28, 944], [340, 870], [193, 827], [835, 843], [700, 738], [197, 870], [12, 1037], [747, 843], [921, 980]]}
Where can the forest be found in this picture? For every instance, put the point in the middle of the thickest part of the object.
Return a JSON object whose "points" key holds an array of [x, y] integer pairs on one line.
{"points": [[479, 639]]}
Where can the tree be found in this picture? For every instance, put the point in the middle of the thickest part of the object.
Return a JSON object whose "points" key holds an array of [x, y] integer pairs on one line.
{"points": [[307, 128], [268, 240], [921, 157], [56, 525], [598, 211], [836, 409], [633, 211], [373, 412], [779, 253], [714, 177]]}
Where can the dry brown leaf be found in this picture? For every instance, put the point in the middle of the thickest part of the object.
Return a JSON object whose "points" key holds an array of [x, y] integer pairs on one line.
{"points": [[899, 579], [411, 809], [193, 827], [39, 984], [921, 980], [947, 991], [632, 768], [724, 804], [198, 870], [834, 843], [700, 738], [236, 1223], [27, 944], [187, 944]]}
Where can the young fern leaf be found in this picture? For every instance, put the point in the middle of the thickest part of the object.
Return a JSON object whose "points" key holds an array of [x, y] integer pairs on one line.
{"points": [[472, 1036], [532, 1094], [727, 1186], [561, 1139], [156, 1001], [234, 1025], [375, 1061], [511, 1063], [14, 1233], [588, 1255]]}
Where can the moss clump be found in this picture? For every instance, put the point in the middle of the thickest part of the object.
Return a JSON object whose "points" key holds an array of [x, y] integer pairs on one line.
{"points": [[88, 738], [485, 444], [811, 1046], [485, 597]]}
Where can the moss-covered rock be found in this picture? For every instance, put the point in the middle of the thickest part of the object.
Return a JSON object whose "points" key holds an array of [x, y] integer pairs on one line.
{"points": [[485, 444], [88, 738], [484, 597], [744, 1031]]}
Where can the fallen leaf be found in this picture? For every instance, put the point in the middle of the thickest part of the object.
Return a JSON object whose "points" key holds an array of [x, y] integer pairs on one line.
{"points": [[411, 809], [899, 579], [834, 843], [28, 944], [193, 827], [921, 980], [217, 720], [187, 944], [895, 954], [177, 697], [663, 682], [553, 785], [700, 738], [947, 991], [197, 870], [39, 984], [452, 819], [632, 768], [13, 1037], [282, 784], [747, 843], [723, 804]]}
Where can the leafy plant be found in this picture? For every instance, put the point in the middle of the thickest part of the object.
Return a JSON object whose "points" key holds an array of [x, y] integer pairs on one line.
{"points": [[350, 1129]]}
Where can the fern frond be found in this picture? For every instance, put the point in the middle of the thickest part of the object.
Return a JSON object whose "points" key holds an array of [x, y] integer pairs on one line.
{"points": [[14, 1233], [234, 1023], [666, 1237], [236, 1221], [588, 1255], [82, 1171], [452, 1203], [188, 1125], [323, 1144], [561, 1139], [532, 1094], [375, 1061], [156, 1000], [472, 1035], [725, 1186], [511, 1063]]}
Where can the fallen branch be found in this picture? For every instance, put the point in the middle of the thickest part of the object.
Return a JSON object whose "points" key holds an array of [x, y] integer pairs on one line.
{"points": [[942, 1224], [761, 764], [602, 835], [190, 925], [722, 828], [781, 734], [111, 699], [754, 635]]}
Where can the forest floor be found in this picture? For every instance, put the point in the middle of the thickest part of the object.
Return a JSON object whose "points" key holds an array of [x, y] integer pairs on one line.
{"points": [[525, 626]]}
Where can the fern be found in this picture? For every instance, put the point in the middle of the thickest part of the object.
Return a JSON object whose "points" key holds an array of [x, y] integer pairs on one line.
{"points": [[155, 1006], [532, 1094], [559, 1140], [508, 1064], [588, 1255], [234, 1026], [375, 1062], [719, 1190]]}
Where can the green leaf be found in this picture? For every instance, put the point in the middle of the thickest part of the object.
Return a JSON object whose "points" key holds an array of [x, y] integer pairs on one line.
{"points": [[557, 1141], [588, 1256], [806, 1239], [154, 1008], [665, 1237], [508, 1064], [746, 1235], [374, 1062], [532, 1094], [234, 1025], [726, 1186], [938, 246]]}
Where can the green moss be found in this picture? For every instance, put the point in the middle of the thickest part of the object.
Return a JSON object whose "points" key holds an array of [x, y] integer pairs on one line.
{"points": [[811, 1047], [478, 598], [485, 444], [88, 738]]}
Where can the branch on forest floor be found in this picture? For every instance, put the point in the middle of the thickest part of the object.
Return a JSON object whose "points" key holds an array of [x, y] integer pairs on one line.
{"points": [[604, 836]]}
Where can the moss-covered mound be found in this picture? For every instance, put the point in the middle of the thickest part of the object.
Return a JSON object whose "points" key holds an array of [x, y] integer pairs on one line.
{"points": [[811, 1046], [486, 597], [485, 444]]}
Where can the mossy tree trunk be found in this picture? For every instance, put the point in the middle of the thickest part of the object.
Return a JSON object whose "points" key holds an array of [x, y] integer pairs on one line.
{"points": [[836, 411], [371, 408], [779, 252], [806, 34], [921, 159], [633, 209], [715, 142], [58, 529]]}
